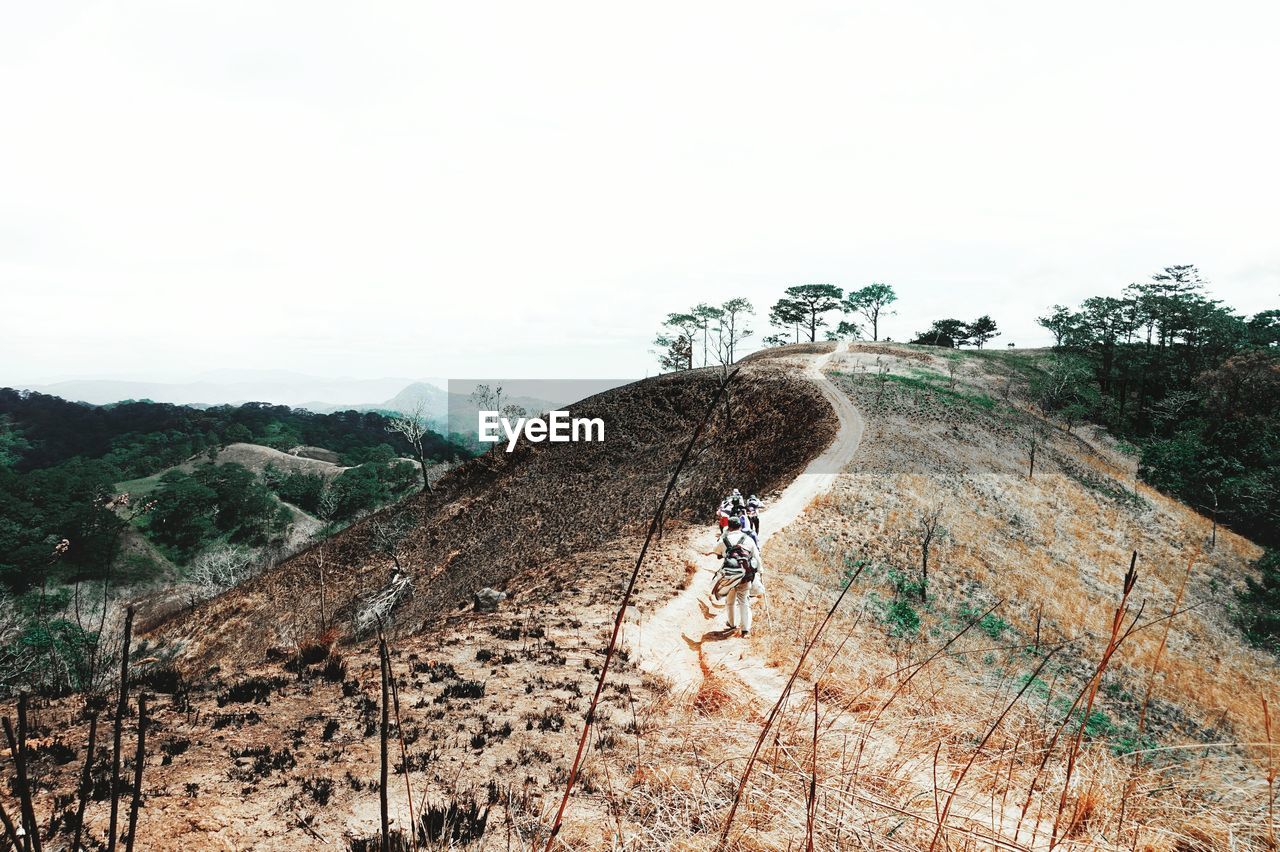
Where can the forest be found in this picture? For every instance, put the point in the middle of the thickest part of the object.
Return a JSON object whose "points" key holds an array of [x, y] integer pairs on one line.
{"points": [[1195, 387], [69, 531], [1189, 381]]}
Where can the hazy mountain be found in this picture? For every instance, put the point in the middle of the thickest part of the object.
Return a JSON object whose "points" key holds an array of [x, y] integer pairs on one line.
{"points": [[436, 399], [450, 410], [235, 386], [456, 411]]}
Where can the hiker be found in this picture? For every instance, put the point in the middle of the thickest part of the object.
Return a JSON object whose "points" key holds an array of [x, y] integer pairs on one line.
{"points": [[737, 574], [730, 506], [754, 505], [733, 504]]}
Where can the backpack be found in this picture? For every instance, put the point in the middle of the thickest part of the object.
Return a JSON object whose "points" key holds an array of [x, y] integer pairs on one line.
{"points": [[738, 558]]}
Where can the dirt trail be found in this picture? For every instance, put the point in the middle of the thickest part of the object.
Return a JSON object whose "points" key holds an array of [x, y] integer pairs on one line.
{"points": [[686, 636]]}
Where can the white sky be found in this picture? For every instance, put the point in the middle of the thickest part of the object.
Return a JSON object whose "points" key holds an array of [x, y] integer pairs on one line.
{"points": [[431, 188]]}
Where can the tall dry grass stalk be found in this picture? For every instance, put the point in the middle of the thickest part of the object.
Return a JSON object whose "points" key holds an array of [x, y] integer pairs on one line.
{"points": [[777, 707], [1146, 699], [982, 744], [1271, 777], [1118, 635], [625, 602], [812, 803]]}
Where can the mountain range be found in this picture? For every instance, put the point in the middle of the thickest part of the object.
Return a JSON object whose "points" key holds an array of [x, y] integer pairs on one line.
{"points": [[447, 404], [296, 390]]}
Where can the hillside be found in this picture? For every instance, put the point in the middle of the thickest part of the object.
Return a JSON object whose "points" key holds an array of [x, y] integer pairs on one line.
{"points": [[283, 477], [921, 700], [509, 680], [1034, 563], [254, 457], [501, 515]]}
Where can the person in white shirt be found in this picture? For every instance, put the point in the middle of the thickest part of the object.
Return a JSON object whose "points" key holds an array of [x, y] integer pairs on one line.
{"points": [[754, 505], [741, 562]]}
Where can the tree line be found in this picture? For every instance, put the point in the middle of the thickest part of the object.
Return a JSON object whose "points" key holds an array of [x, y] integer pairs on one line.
{"points": [[63, 525], [707, 335], [139, 438], [1195, 385], [712, 335], [61, 461]]}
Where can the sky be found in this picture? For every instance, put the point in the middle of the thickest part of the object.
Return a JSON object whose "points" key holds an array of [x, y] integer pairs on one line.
{"points": [[436, 189]]}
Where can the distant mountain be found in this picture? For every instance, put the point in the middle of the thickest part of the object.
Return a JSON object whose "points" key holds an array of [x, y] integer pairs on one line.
{"points": [[234, 387], [448, 410], [436, 399], [454, 412]]}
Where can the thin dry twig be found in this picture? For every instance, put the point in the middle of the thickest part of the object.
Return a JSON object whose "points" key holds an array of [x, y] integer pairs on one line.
{"points": [[139, 760], [383, 811], [622, 610], [777, 707], [1271, 777], [86, 778], [404, 748], [122, 707]]}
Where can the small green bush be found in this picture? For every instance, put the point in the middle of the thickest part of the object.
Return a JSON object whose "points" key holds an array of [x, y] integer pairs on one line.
{"points": [[902, 618], [1259, 612]]}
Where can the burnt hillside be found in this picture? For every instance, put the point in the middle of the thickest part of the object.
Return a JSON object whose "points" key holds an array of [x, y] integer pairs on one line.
{"points": [[509, 514]]}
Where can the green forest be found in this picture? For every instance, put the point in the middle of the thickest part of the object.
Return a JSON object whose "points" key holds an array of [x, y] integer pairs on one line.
{"points": [[1195, 386], [67, 518]]}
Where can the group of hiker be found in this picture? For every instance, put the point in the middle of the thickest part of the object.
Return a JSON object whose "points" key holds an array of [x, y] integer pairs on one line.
{"points": [[747, 510], [738, 546]]}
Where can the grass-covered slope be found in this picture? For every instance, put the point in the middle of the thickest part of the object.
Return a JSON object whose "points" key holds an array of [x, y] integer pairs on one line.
{"points": [[1035, 562]]}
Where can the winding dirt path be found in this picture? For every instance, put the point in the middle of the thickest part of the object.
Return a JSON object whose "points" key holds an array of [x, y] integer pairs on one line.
{"points": [[686, 639]]}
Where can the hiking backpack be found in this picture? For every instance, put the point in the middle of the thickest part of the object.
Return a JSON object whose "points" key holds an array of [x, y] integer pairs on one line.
{"points": [[738, 557]]}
